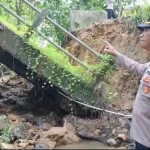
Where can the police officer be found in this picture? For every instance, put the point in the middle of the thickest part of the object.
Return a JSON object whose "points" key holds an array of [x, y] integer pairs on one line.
{"points": [[140, 125]]}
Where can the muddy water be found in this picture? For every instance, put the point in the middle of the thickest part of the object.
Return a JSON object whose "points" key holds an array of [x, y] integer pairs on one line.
{"points": [[85, 144]]}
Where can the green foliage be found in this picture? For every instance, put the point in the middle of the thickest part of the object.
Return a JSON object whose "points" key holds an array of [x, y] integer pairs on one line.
{"points": [[91, 4], [122, 3], [139, 13], [105, 66], [59, 12], [5, 133]]}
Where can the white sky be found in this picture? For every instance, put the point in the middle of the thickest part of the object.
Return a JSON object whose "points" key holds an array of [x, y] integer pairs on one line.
{"points": [[140, 2]]}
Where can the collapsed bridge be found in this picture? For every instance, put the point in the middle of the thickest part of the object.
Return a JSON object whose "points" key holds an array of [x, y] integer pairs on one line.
{"points": [[44, 70]]}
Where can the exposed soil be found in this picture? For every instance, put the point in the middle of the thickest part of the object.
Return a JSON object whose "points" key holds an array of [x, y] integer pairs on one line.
{"points": [[124, 38]]}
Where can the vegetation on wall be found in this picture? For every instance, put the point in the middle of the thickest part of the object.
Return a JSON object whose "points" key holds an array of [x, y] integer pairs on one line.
{"points": [[59, 69]]}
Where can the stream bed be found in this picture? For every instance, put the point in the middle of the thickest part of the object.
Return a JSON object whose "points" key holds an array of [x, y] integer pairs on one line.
{"points": [[85, 144]]}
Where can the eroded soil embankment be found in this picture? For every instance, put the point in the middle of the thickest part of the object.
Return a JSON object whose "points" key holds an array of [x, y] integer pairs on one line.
{"points": [[124, 37]]}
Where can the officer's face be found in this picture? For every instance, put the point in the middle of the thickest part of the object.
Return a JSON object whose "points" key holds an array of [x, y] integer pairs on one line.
{"points": [[145, 39]]}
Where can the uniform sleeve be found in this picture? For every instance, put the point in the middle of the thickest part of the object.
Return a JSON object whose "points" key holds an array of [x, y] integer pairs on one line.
{"points": [[131, 65]]}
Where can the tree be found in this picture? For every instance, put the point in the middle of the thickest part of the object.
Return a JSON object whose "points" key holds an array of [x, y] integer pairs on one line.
{"points": [[60, 11]]}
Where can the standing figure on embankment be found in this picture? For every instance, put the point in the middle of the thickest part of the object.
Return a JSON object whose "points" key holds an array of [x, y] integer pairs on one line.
{"points": [[140, 126], [110, 9]]}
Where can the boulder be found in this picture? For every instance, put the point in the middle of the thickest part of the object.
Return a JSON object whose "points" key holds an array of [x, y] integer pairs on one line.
{"points": [[112, 142], [122, 137], [7, 146], [97, 131], [68, 139], [55, 133], [12, 117], [19, 131], [44, 143]]}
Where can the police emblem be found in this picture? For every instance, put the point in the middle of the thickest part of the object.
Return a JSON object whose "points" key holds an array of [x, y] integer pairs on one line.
{"points": [[146, 80], [146, 89]]}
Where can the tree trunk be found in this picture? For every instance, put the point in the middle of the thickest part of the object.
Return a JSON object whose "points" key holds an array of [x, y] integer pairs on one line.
{"points": [[18, 10], [120, 8]]}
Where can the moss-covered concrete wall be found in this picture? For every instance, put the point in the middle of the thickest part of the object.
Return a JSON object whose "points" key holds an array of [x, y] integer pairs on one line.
{"points": [[45, 67]]}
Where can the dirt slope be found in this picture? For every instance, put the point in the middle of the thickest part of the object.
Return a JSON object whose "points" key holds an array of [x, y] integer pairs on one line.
{"points": [[125, 38]]}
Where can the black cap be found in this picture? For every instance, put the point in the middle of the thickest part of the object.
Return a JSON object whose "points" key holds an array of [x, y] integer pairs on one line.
{"points": [[145, 25]]}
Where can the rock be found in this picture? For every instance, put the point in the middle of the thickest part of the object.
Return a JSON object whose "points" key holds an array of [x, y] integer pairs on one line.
{"points": [[12, 117], [123, 144], [35, 137], [127, 123], [19, 131], [31, 131], [28, 117], [69, 127], [23, 119], [122, 148], [54, 133], [23, 145], [31, 141], [122, 137], [29, 124], [124, 131], [112, 142], [44, 134], [71, 138], [68, 138], [127, 106], [104, 135], [44, 144], [114, 131], [97, 131], [22, 141], [7, 146], [118, 130], [104, 123], [122, 122], [118, 142], [46, 126]]}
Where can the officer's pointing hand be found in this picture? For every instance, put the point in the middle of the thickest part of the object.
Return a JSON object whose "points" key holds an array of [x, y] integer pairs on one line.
{"points": [[109, 49]]}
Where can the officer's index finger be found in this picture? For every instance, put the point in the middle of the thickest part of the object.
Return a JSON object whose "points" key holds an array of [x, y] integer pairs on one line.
{"points": [[107, 43]]}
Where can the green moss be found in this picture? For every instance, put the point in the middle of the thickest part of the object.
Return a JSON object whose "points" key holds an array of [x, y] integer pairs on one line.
{"points": [[55, 74], [12, 27]]}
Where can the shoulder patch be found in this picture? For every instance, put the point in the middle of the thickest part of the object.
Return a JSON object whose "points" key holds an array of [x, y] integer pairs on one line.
{"points": [[146, 89], [146, 79]]}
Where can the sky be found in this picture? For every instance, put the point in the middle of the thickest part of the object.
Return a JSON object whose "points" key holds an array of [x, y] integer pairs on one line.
{"points": [[140, 2]]}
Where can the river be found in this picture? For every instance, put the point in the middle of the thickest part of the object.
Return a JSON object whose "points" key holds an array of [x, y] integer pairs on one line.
{"points": [[85, 144]]}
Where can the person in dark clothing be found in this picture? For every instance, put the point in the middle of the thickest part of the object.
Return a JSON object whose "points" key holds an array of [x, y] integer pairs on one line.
{"points": [[110, 9]]}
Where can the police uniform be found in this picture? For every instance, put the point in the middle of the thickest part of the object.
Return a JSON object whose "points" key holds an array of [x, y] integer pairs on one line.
{"points": [[140, 125]]}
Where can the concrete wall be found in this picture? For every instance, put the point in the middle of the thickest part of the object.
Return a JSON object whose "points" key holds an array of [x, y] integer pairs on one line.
{"points": [[81, 19]]}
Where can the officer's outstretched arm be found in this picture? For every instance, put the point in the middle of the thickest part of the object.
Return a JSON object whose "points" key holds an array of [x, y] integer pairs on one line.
{"points": [[131, 65], [125, 62]]}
